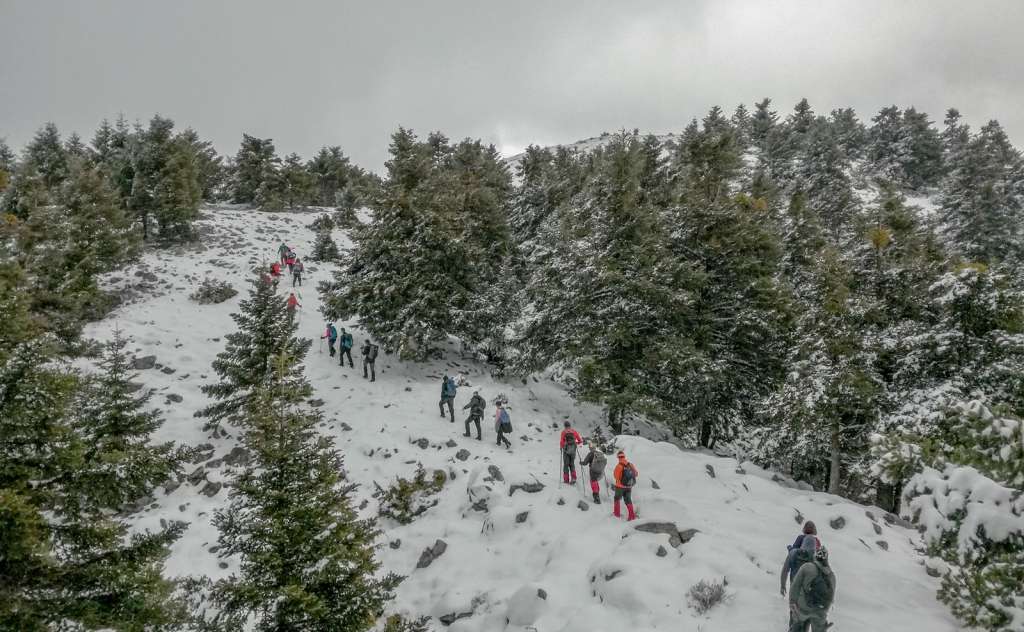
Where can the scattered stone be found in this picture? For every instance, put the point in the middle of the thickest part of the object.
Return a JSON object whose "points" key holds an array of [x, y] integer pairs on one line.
{"points": [[182, 507], [882, 544], [892, 518], [214, 463], [450, 443], [316, 403], [612, 575], [837, 523], [530, 488], [462, 454], [654, 484], [396, 543], [799, 517], [408, 389], [346, 427], [170, 485], [710, 470], [167, 370], [144, 363], [222, 564], [423, 443], [740, 470], [877, 528], [661, 552], [583, 506], [211, 489], [214, 548], [203, 452], [932, 571], [522, 516], [543, 594], [237, 456], [495, 473], [364, 504], [870, 516], [480, 505], [676, 538], [561, 501], [431, 553], [196, 476], [452, 617]]}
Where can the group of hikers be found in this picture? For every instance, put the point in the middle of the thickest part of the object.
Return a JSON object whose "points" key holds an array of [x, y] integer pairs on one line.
{"points": [[344, 341], [287, 257]]}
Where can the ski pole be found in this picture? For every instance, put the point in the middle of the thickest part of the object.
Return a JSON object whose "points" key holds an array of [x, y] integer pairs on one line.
{"points": [[321, 345]]}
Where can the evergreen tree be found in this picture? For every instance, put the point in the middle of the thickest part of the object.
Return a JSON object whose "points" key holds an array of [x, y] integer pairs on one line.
{"points": [[6, 166], [849, 132], [265, 327], [307, 561], [822, 174], [905, 148], [743, 124], [46, 155], [324, 247], [210, 170], [299, 186], [178, 191], [75, 148], [255, 162], [332, 173]]}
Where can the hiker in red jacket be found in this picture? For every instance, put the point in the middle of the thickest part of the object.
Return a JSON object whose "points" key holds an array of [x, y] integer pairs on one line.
{"points": [[275, 273], [625, 478], [289, 259], [568, 441], [292, 302]]}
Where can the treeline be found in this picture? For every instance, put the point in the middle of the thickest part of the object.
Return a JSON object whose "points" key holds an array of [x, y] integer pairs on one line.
{"points": [[838, 299]]}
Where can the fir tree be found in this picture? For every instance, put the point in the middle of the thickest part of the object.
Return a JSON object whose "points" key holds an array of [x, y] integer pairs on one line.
{"points": [[255, 162], [177, 192], [46, 155], [307, 561], [211, 174], [332, 173], [298, 185], [265, 327], [324, 247], [75, 148], [822, 174]]}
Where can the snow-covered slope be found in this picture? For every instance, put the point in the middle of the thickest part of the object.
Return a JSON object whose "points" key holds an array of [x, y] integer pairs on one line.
{"points": [[597, 573]]}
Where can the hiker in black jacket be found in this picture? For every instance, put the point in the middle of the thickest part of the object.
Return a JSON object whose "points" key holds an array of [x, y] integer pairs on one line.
{"points": [[476, 407]]}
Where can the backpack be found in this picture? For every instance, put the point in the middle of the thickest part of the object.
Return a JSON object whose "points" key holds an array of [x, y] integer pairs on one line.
{"points": [[570, 444], [821, 591], [346, 341], [373, 353], [628, 477], [450, 389], [798, 559], [505, 421], [332, 333]]}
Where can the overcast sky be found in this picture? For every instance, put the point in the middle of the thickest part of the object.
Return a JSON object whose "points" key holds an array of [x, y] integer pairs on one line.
{"points": [[344, 73]]}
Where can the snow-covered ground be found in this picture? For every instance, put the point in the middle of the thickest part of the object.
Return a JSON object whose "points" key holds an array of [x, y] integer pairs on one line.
{"points": [[596, 572]]}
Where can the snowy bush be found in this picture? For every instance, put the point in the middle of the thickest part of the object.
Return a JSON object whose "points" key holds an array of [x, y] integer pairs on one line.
{"points": [[705, 595], [321, 223], [406, 499], [211, 292], [398, 623]]}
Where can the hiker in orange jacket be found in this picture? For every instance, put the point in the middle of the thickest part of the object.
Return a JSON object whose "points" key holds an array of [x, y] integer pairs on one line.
{"points": [[625, 478]]}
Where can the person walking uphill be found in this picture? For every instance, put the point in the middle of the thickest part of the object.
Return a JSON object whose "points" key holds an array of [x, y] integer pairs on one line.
{"points": [[290, 258], [596, 460], [476, 407], [332, 335], [812, 594], [797, 554], [345, 349], [369, 352], [568, 441], [282, 252], [292, 302], [447, 396], [297, 269], [502, 423], [625, 478]]}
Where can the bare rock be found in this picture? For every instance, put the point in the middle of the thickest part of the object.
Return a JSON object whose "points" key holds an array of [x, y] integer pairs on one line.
{"points": [[522, 516], [837, 523], [144, 363], [710, 470], [197, 476], [661, 552], [882, 544], [211, 489], [431, 553], [422, 443], [174, 398], [877, 528], [495, 473], [396, 543], [450, 443], [583, 506], [237, 456], [676, 538], [530, 488], [462, 454]]}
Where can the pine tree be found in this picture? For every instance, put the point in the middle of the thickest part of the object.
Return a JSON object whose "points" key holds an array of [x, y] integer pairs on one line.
{"points": [[255, 162], [743, 124], [822, 175], [75, 148], [332, 173], [265, 327], [298, 185], [849, 132], [324, 247], [177, 191], [307, 560], [150, 148], [905, 148], [46, 155], [210, 169]]}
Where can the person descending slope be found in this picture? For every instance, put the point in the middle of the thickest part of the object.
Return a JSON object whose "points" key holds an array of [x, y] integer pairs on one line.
{"points": [[567, 442], [812, 594], [297, 269], [292, 302], [369, 352], [345, 349], [282, 252], [332, 335], [502, 423], [596, 460], [625, 478], [447, 396], [795, 557], [476, 407]]}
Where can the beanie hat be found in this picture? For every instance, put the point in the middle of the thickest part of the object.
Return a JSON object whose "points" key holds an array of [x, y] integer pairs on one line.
{"points": [[810, 529]]}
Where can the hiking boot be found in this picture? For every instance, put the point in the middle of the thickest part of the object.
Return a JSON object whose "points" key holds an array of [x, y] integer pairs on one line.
{"points": [[465, 434], [478, 438], [597, 498]]}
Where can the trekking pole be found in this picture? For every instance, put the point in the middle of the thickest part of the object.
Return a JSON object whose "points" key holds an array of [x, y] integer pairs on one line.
{"points": [[321, 350]]}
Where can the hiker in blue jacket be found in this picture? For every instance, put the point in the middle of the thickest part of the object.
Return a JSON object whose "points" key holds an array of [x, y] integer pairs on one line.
{"points": [[345, 349], [332, 336], [447, 396]]}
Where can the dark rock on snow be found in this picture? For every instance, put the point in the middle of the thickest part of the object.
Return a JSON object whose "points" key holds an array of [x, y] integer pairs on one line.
{"points": [[583, 506], [495, 473], [462, 454], [144, 363], [423, 443], [174, 398], [529, 488], [431, 553], [450, 443], [882, 544], [211, 489], [237, 456], [837, 523], [661, 552], [710, 470], [396, 543], [522, 516], [675, 537]]}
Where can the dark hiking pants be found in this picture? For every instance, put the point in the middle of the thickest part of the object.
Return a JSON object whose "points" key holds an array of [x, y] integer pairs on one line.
{"points": [[341, 358], [373, 373], [474, 418], [451, 407]]}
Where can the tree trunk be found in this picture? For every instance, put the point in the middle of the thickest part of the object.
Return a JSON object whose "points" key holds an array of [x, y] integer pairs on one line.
{"points": [[705, 438], [615, 421], [833, 474]]}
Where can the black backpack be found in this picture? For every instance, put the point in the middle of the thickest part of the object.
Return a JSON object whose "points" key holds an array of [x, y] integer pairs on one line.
{"points": [[570, 444], [373, 353], [821, 591], [628, 477]]}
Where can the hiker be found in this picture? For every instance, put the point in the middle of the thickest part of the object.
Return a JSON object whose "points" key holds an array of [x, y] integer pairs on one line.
{"points": [[282, 252], [476, 407], [596, 460], [369, 352], [290, 259], [794, 557], [292, 302], [447, 396], [332, 335], [568, 441], [812, 594], [345, 349], [297, 270], [625, 478], [502, 423], [275, 270]]}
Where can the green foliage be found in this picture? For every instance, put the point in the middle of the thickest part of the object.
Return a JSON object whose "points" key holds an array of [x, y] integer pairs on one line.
{"points": [[407, 499], [255, 162], [324, 248], [211, 292]]}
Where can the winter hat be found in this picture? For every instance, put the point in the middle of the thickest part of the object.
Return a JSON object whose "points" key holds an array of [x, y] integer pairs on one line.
{"points": [[810, 529], [821, 555], [566, 424]]}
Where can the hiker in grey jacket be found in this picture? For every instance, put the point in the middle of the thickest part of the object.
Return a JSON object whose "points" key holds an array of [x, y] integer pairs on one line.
{"points": [[476, 407], [596, 460], [804, 611]]}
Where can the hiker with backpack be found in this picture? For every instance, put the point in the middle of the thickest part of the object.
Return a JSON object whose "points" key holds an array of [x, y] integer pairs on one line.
{"points": [[476, 407], [297, 269], [369, 352], [275, 273], [625, 478], [812, 594], [292, 302], [502, 423], [795, 556], [282, 252], [332, 335], [290, 259], [447, 396], [345, 349], [567, 442], [596, 460]]}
